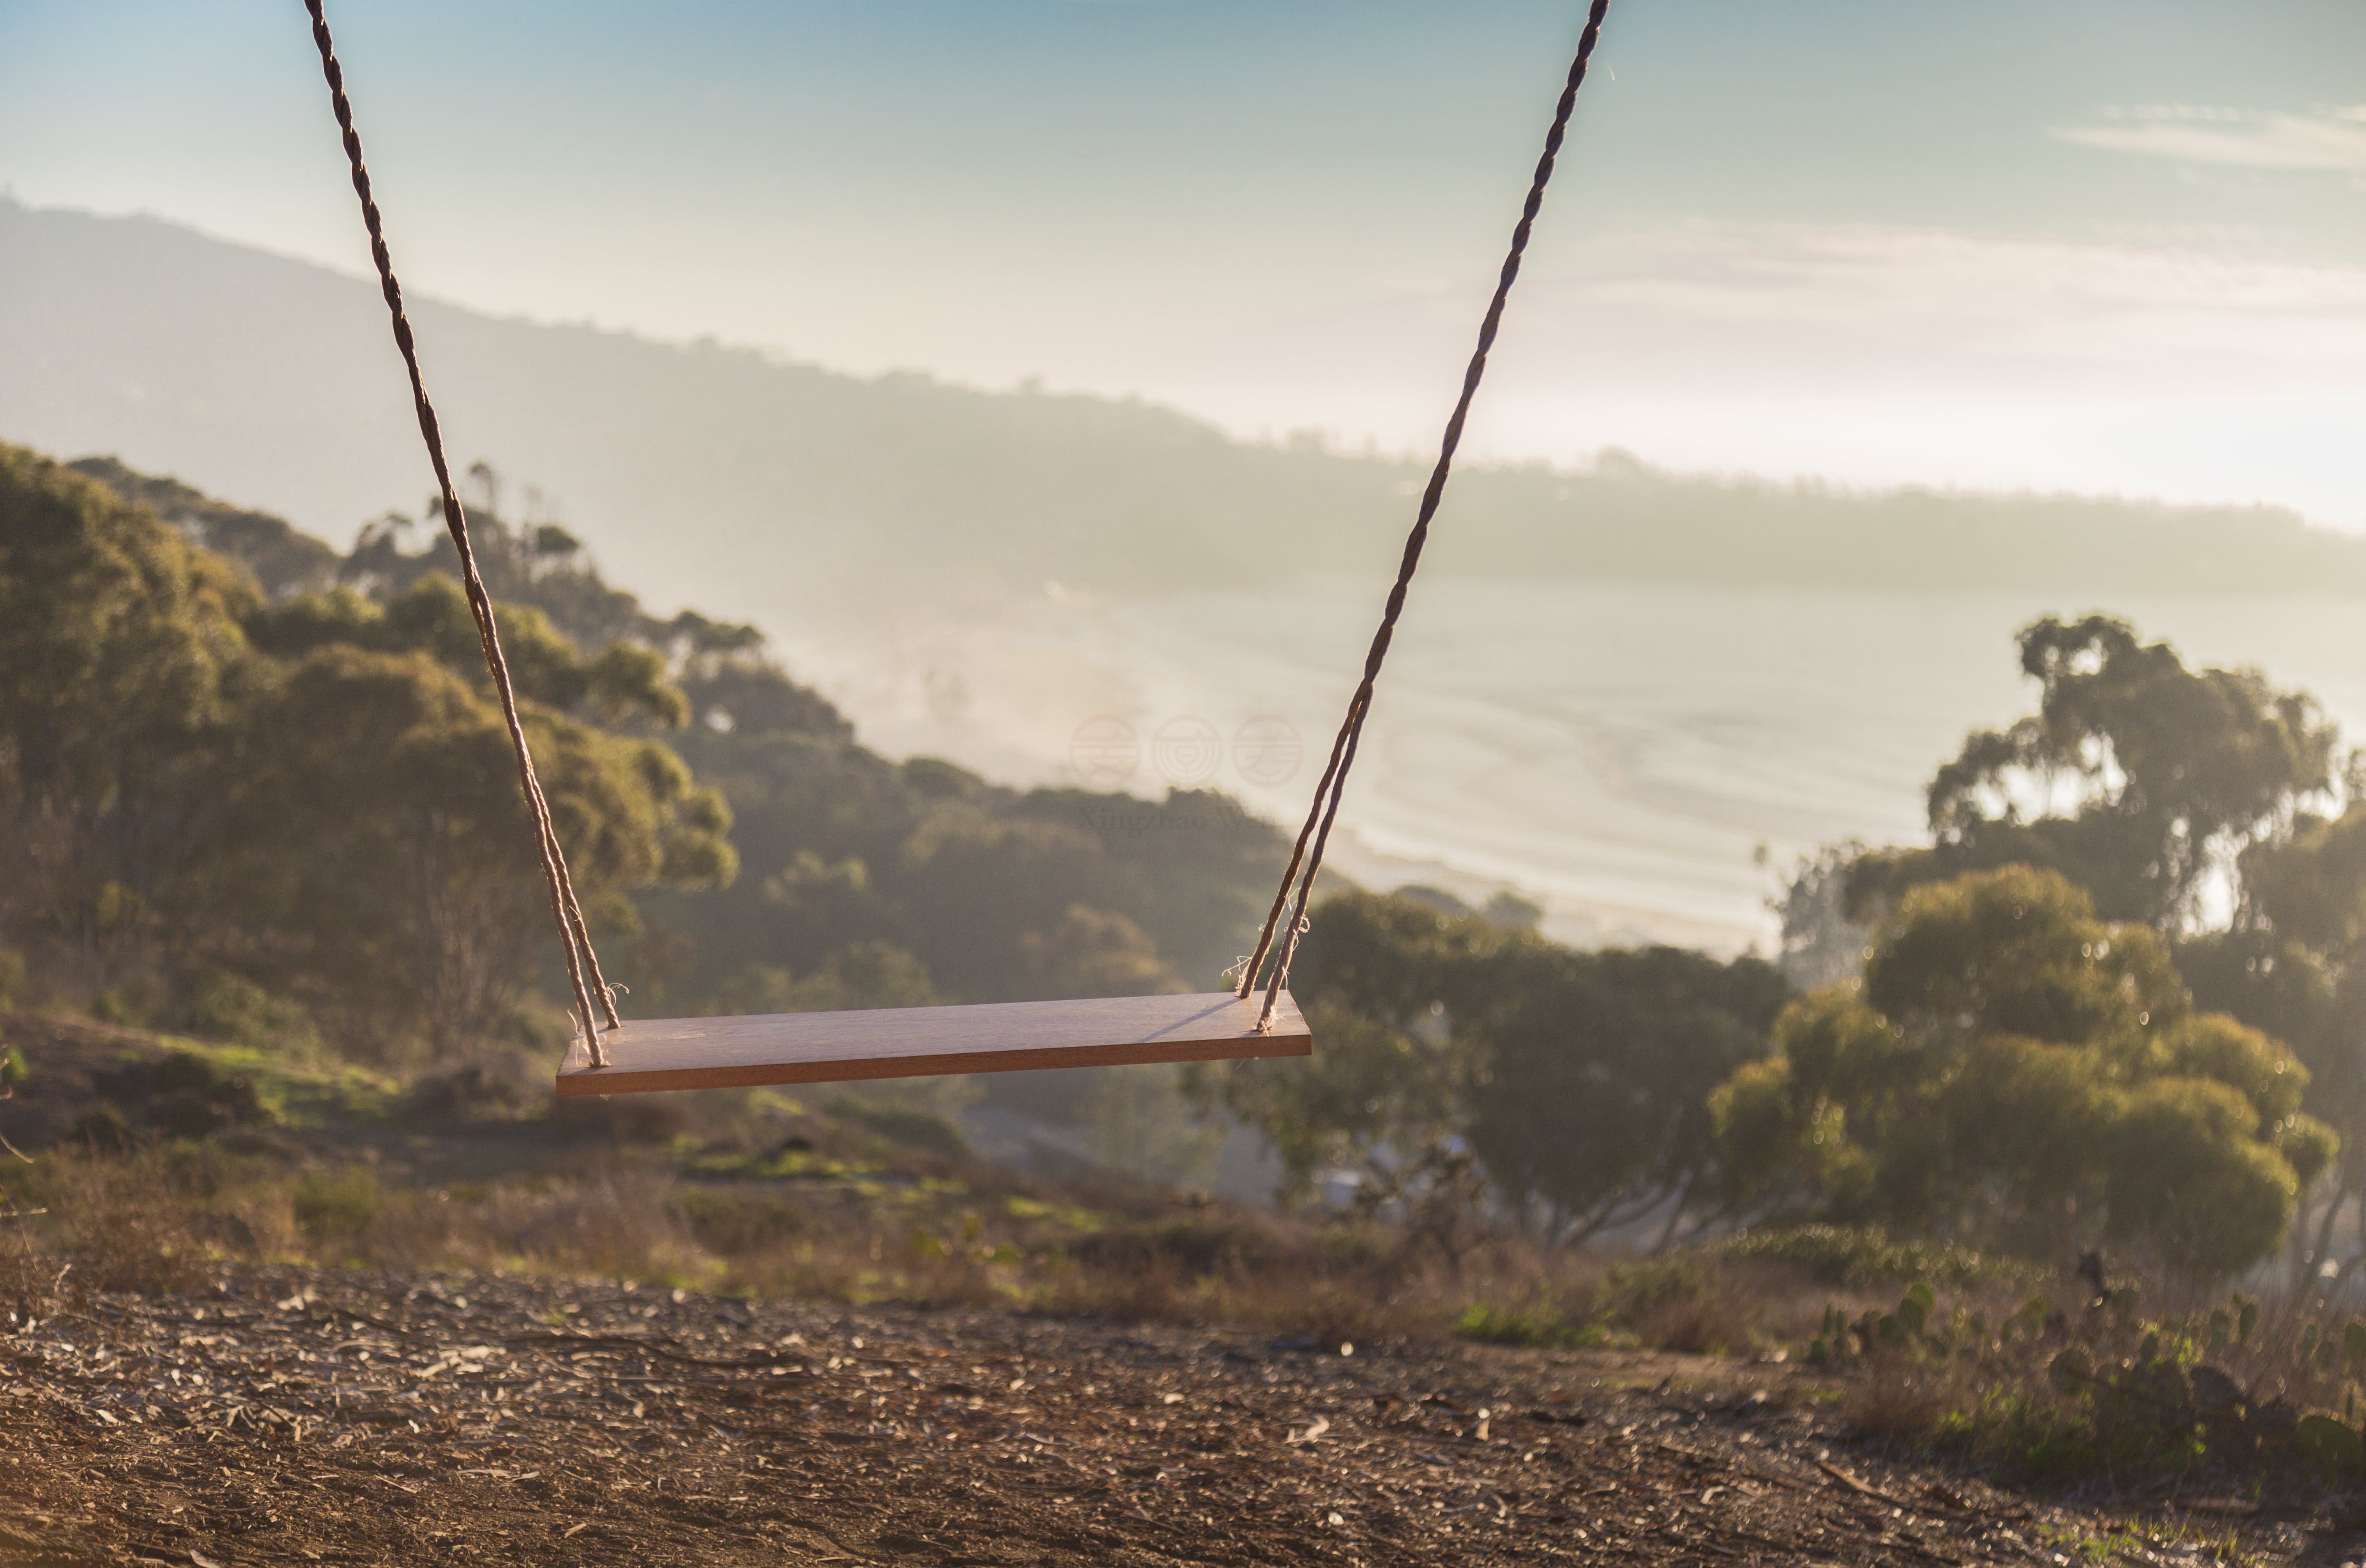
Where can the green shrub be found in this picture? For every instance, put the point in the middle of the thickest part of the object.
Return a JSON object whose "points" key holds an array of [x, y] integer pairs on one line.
{"points": [[337, 1206], [180, 1095], [137, 1003], [1540, 1326], [12, 976], [1631, 1292], [2333, 1446], [1900, 1330], [2045, 1396], [229, 1007], [738, 1224], [1849, 1256], [1220, 1241], [463, 1094], [103, 1130]]}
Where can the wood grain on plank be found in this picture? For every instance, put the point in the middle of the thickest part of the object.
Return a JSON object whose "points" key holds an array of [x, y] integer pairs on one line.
{"points": [[908, 1043]]}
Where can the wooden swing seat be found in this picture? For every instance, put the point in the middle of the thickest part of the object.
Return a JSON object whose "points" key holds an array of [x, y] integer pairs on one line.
{"points": [[908, 1043]]}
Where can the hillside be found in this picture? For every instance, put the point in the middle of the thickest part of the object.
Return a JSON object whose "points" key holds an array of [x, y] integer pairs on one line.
{"points": [[755, 486]]}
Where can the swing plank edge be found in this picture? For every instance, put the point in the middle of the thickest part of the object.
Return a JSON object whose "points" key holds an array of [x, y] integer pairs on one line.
{"points": [[900, 1043]]}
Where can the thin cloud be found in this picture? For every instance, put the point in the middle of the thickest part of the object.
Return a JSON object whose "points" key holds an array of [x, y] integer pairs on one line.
{"points": [[2195, 133], [1870, 355]]}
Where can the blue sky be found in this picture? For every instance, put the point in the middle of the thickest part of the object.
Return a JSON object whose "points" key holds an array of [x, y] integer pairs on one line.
{"points": [[2044, 243]]}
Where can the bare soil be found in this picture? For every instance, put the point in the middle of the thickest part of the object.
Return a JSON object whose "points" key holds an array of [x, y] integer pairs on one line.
{"points": [[314, 1417]]}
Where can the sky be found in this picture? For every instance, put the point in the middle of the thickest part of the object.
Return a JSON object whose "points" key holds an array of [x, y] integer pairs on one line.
{"points": [[2097, 245]]}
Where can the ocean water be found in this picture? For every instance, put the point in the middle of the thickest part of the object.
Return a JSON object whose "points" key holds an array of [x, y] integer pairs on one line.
{"points": [[1645, 761]]}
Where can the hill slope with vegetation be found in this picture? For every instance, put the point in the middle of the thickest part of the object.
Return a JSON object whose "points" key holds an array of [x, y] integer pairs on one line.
{"points": [[268, 767], [257, 792], [283, 999]]}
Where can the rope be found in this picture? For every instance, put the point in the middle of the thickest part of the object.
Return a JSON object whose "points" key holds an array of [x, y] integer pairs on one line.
{"points": [[582, 963], [1334, 782]]}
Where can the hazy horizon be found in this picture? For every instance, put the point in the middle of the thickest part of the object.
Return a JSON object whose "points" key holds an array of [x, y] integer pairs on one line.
{"points": [[2094, 248]]}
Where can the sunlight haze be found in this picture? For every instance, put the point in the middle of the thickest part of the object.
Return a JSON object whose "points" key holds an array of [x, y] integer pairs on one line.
{"points": [[2102, 247]]}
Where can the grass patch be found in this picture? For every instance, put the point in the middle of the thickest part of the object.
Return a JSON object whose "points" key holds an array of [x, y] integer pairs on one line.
{"points": [[1540, 1325], [1696, 1303], [336, 1206], [296, 1093], [1847, 1256]]}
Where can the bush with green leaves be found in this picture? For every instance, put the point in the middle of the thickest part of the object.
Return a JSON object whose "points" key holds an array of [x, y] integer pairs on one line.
{"points": [[2016, 1072], [2110, 1387], [1838, 1339], [231, 1007], [1541, 1324]]}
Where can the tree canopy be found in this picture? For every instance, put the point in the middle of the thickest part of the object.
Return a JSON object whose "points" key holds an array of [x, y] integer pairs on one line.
{"points": [[229, 752], [2221, 812], [1577, 1081], [2136, 777], [2015, 1071], [315, 793]]}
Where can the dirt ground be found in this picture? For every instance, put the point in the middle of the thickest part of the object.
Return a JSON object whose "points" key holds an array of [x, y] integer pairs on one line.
{"points": [[304, 1417]]}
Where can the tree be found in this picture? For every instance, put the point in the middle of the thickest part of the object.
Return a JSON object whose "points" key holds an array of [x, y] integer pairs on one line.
{"points": [[2168, 793], [388, 872], [281, 561], [1380, 979], [539, 564], [1000, 909], [1576, 1081], [2016, 1071], [2020, 951], [2293, 963], [623, 681], [119, 653], [2135, 778], [1592, 1106]]}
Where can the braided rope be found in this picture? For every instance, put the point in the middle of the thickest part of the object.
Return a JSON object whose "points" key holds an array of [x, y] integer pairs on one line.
{"points": [[582, 963], [1334, 782]]}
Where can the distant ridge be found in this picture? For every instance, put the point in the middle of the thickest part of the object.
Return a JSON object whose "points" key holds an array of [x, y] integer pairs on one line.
{"points": [[741, 482]]}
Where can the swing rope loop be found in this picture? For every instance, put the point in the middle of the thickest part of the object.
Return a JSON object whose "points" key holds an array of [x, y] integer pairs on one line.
{"points": [[1334, 782], [582, 963]]}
